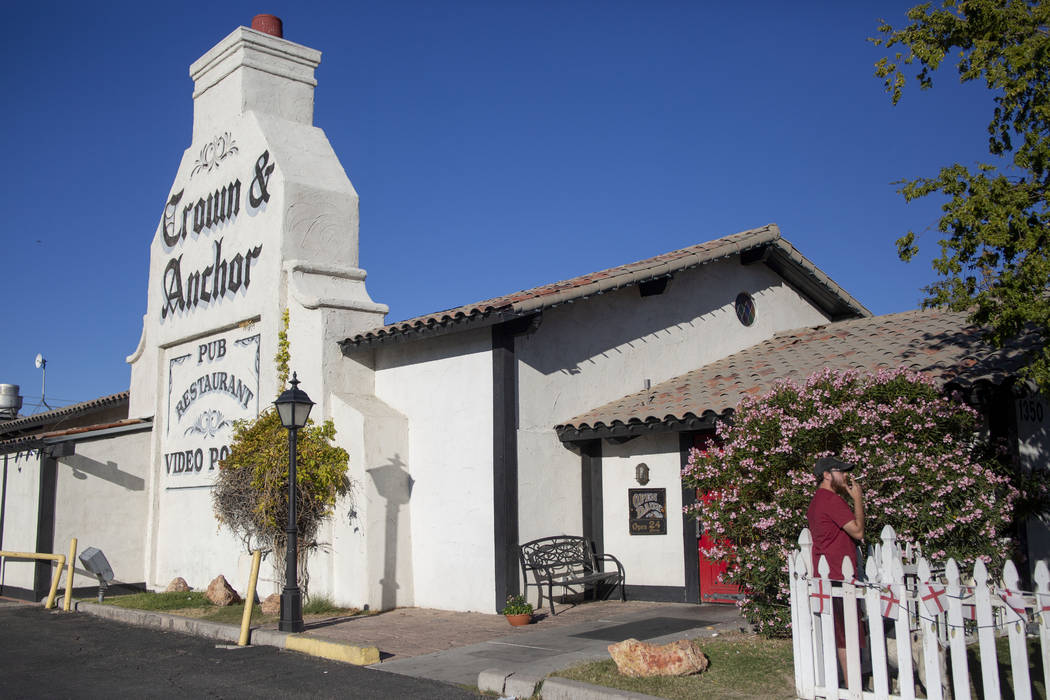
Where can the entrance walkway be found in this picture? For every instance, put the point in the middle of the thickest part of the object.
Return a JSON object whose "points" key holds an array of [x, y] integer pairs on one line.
{"points": [[455, 647]]}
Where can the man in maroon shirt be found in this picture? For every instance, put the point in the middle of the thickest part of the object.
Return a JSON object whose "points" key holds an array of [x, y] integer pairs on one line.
{"points": [[836, 530]]}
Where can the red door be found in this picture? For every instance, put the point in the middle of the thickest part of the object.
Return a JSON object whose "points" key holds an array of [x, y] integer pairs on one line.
{"points": [[711, 589]]}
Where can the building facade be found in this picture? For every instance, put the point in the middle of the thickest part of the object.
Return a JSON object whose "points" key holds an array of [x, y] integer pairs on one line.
{"points": [[564, 409]]}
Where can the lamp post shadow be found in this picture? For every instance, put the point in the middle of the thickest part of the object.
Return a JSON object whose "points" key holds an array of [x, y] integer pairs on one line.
{"points": [[394, 484]]}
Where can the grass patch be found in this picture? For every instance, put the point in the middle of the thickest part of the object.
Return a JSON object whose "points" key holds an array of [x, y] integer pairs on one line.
{"points": [[195, 604], [1006, 680], [742, 666], [323, 605], [160, 601]]}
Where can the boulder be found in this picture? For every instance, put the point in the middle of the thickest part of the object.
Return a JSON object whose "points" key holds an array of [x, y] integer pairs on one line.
{"points": [[177, 585], [221, 593], [272, 605], [639, 659]]}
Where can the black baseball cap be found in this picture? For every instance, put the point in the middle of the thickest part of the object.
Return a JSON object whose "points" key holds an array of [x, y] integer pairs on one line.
{"points": [[827, 464]]}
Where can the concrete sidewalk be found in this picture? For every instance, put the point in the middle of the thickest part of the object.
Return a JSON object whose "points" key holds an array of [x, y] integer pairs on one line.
{"points": [[472, 648], [515, 663]]}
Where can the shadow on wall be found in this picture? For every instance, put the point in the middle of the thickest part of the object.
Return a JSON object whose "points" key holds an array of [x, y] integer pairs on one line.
{"points": [[108, 471], [394, 483]]}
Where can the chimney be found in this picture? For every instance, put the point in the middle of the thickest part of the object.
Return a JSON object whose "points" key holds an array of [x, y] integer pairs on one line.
{"points": [[253, 70]]}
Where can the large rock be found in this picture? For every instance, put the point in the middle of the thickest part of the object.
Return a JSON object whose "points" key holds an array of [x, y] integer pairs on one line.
{"points": [[221, 593], [272, 605], [177, 585], [640, 659]]}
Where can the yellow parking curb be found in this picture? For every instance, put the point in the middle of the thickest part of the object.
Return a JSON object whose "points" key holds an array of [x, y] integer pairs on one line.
{"points": [[347, 653]]}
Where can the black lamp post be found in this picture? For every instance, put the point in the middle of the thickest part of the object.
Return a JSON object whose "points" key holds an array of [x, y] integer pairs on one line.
{"points": [[294, 407]]}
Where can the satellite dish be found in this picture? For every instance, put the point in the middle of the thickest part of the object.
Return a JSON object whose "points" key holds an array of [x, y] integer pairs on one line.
{"points": [[41, 363]]}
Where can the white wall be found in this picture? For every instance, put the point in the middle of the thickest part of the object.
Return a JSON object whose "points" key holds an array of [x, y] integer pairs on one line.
{"points": [[370, 564], [648, 560], [101, 500], [595, 351], [20, 514], [444, 388]]}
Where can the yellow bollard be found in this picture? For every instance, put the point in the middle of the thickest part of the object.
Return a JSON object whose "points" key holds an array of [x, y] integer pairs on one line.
{"points": [[60, 558], [249, 599], [68, 602], [54, 581]]}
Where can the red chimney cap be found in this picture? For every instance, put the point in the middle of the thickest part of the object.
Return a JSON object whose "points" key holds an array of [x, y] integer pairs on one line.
{"points": [[268, 24]]}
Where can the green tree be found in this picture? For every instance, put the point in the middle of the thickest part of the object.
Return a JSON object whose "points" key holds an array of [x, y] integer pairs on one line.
{"points": [[251, 490], [993, 260]]}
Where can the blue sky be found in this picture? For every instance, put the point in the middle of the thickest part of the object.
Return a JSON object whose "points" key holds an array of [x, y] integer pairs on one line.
{"points": [[495, 146]]}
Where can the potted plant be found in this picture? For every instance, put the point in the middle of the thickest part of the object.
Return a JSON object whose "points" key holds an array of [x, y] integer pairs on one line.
{"points": [[518, 611]]}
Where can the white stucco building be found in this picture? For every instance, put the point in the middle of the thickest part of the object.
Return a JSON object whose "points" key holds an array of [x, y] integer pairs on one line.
{"points": [[469, 431]]}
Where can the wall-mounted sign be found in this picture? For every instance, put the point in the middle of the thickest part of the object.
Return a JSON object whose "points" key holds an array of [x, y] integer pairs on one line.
{"points": [[212, 382], [648, 511]]}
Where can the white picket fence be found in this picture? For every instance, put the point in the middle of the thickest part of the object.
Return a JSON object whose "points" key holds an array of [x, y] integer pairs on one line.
{"points": [[936, 614]]}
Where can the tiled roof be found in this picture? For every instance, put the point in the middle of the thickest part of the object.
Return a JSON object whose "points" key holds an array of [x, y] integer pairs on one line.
{"points": [[531, 300], [57, 415], [941, 344], [39, 440]]}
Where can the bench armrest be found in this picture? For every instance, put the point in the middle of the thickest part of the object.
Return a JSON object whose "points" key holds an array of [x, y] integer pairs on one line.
{"points": [[614, 560]]}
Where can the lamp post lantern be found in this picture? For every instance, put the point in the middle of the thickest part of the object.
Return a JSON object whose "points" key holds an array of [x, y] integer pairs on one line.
{"points": [[293, 406]]}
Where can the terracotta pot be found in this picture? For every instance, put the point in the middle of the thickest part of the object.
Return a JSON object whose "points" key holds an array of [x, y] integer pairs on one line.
{"points": [[519, 620]]}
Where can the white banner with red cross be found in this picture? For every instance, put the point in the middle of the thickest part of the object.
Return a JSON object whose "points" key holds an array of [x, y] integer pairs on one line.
{"points": [[820, 596], [890, 601], [1013, 600], [933, 596]]}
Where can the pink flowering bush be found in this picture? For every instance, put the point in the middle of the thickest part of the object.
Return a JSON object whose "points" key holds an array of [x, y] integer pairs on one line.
{"points": [[920, 461]]}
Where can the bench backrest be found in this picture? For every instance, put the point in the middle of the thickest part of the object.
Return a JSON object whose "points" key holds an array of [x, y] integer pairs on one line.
{"points": [[558, 554]]}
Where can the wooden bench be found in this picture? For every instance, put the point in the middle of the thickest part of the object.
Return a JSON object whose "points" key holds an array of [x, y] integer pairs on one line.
{"points": [[567, 561]]}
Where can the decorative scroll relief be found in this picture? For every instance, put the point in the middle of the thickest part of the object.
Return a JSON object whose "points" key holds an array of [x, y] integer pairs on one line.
{"points": [[212, 382], [219, 149]]}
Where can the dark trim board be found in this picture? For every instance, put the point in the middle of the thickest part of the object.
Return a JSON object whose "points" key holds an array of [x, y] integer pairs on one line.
{"points": [[690, 542], [653, 426], [45, 523], [18, 593], [504, 464], [591, 489], [78, 591], [658, 594]]}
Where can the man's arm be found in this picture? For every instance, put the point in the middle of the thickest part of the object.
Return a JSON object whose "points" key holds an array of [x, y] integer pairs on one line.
{"points": [[855, 528]]}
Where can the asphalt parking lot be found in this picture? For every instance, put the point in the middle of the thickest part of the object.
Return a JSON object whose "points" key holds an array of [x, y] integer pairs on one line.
{"points": [[65, 655]]}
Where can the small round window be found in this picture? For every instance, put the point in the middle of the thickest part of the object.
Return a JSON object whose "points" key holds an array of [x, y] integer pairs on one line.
{"points": [[745, 308]]}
